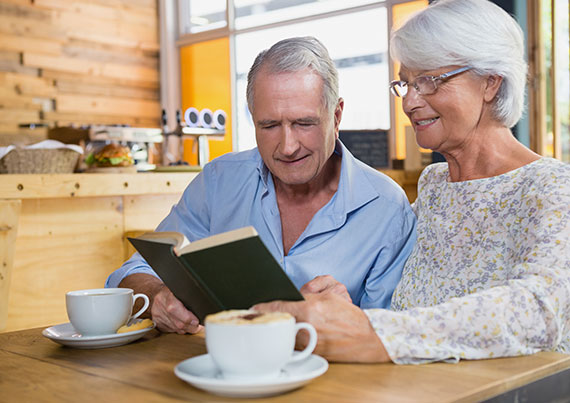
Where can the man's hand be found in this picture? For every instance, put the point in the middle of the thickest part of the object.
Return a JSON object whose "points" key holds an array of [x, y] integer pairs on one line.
{"points": [[325, 284], [169, 314], [344, 331]]}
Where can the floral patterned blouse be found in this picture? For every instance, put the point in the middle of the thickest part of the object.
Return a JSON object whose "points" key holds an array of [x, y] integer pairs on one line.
{"points": [[490, 273]]}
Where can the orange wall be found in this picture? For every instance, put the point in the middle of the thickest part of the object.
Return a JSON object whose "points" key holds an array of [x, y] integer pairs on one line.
{"points": [[399, 14], [205, 80]]}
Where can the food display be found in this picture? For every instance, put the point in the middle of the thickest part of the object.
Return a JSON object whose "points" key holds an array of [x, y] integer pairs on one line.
{"points": [[112, 155], [111, 158]]}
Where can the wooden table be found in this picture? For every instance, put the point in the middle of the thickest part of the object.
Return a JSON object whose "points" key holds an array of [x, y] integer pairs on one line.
{"points": [[33, 368]]}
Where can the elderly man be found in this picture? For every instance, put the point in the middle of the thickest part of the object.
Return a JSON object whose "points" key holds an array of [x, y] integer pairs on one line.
{"points": [[318, 209]]}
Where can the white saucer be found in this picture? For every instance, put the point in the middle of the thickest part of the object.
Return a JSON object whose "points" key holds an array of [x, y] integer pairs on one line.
{"points": [[202, 373], [66, 335]]}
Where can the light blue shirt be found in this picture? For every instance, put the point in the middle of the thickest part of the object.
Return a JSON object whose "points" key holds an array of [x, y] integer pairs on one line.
{"points": [[362, 236]]}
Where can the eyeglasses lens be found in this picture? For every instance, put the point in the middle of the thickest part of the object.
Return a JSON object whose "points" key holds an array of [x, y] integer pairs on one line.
{"points": [[425, 85], [399, 88]]}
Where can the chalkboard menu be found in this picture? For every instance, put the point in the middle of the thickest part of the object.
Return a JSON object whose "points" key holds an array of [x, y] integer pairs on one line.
{"points": [[369, 146]]}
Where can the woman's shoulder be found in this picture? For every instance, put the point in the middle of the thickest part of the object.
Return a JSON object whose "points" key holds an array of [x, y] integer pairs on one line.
{"points": [[551, 166], [434, 174], [549, 173]]}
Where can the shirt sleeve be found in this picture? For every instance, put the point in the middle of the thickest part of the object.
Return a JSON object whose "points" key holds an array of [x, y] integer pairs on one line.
{"points": [[190, 216], [530, 313]]}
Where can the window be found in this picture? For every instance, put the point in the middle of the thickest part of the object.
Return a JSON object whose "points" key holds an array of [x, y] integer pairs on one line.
{"points": [[199, 15], [253, 13], [354, 31], [550, 72], [362, 62]]}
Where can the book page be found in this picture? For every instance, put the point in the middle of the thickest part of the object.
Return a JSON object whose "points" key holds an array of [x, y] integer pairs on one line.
{"points": [[218, 239], [175, 239]]}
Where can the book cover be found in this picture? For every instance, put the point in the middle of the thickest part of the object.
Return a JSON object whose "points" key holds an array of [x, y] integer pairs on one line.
{"points": [[233, 270]]}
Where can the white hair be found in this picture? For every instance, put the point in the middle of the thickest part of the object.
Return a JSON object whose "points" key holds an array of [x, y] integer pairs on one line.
{"points": [[475, 33], [296, 54]]}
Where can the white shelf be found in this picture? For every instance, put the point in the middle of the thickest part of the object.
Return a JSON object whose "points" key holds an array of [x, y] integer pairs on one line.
{"points": [[202, 131]]}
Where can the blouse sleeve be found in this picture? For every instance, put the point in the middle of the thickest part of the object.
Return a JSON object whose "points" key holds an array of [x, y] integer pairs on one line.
{"points": [[530, 313]]}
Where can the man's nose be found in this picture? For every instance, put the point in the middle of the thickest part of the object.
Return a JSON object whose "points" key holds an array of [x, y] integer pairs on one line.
{"points": [[289, 142]]}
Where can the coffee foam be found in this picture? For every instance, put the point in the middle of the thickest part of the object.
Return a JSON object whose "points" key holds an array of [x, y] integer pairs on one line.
{"points": [[247, 317]]}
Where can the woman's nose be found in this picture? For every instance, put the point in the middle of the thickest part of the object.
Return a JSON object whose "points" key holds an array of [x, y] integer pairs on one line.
{"points": [[412, 99]]}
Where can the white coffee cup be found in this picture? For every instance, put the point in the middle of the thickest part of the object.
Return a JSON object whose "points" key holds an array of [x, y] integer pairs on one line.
{"points": [[102, 311], [246, 344]]}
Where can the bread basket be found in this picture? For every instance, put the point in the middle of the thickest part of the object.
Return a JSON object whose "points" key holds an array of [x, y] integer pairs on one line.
{"points": [[39, 161]]}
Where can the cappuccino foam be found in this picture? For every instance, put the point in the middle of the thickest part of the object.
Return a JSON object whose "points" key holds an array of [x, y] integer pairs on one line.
{"points": [[247, 317]]}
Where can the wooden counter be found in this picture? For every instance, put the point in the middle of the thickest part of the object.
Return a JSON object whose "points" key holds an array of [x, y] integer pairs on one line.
{"points": [[92, 185], [71, 234]]}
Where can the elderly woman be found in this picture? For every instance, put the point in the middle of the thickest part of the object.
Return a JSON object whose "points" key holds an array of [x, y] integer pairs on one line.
{"points": [[490, 273]]}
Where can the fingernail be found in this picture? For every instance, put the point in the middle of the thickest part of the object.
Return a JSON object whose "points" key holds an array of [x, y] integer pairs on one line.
{"points": [[194, 322]]}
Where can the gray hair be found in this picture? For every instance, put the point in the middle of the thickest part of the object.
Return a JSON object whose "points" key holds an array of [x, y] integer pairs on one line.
{"points": [[474, 33], [292, 55]]}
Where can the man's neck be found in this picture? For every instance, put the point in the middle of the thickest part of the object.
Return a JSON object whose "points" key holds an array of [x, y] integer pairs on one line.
{"points": [[326, 182], [299, 204]]}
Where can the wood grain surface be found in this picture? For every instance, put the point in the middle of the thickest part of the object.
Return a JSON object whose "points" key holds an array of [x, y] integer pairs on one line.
{"points": [[9, 220], [113, 45], [90, 185], [71, 235], [34, 368]]}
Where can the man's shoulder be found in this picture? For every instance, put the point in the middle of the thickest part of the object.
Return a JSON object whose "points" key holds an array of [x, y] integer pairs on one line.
{"points": [[234, 162], [385, 186]]}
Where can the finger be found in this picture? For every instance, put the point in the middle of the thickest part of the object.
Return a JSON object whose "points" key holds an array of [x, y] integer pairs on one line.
{"points": [[274, 306], [340, 289], [302, 339], [319, 284], [184, 321], [172, 316]]}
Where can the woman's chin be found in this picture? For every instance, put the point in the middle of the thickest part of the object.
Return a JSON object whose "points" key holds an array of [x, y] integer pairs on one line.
{"points": [[425, 144]]}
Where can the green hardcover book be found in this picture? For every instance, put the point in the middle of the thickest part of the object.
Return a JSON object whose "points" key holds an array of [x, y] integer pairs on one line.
{"points": [[232, 270]]}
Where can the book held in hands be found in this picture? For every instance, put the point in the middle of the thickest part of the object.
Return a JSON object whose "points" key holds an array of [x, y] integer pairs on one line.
{"points": [[231, 270]]}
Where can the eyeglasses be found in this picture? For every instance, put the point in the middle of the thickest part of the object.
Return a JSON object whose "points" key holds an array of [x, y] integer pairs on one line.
{"points": [[424, 85]]}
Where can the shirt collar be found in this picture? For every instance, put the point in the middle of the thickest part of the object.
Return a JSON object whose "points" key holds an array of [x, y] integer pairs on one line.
{"points": [[354, 188], [262, 169]]}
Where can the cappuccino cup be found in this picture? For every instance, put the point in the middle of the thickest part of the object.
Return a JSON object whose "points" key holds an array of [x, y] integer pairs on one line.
{"points": [[102, 311], [247, 344]]}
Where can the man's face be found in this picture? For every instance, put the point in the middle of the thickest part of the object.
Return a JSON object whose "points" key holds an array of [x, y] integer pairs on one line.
{"points": [[295, 133]]}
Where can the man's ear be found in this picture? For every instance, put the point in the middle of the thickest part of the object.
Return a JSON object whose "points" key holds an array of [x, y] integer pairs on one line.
{"points": [[338, 115], [492, 87]]}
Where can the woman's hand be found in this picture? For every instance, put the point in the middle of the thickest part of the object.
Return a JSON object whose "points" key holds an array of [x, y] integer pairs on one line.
{"points": [[326, 284], [344, 331]]}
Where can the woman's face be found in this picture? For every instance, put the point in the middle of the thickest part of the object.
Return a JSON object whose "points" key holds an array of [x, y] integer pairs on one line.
{"points": [[447, 119]]}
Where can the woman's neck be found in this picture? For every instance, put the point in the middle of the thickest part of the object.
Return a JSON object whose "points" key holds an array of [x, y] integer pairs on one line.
{"points": [[494, 151]]}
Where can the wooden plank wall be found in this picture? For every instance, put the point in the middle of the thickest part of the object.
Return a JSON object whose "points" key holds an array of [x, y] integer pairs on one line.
{"points": [[77, 62]]}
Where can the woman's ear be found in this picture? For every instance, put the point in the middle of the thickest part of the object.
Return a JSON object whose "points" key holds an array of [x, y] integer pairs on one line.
{"points": [[492, 87]]}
